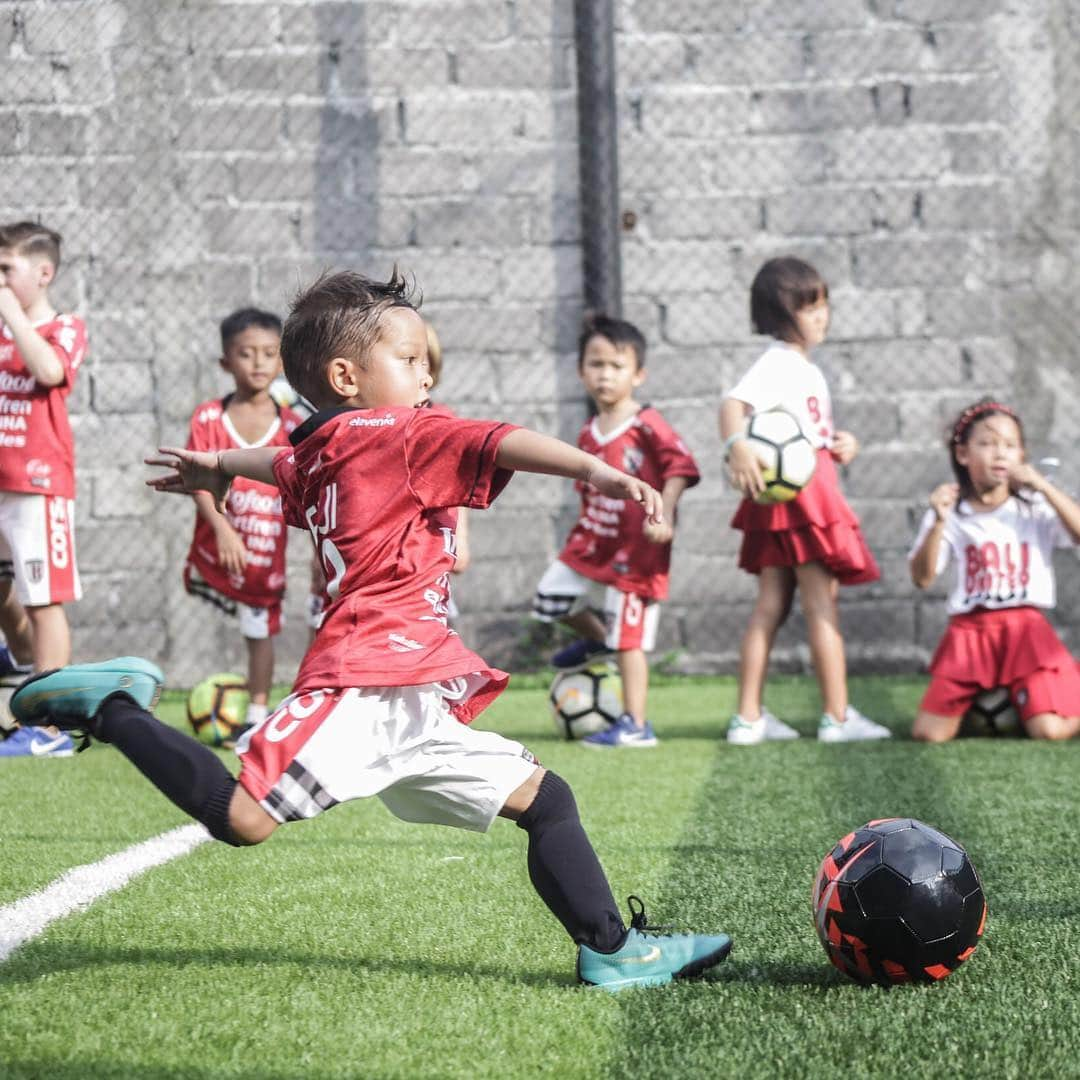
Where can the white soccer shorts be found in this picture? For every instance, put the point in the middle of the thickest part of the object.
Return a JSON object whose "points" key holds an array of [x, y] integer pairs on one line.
{"points": [[400, 743], [631, 621], [37, 535]]}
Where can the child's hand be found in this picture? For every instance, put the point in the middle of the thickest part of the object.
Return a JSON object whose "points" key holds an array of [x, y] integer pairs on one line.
{"points": [[192, 471], [844, 447], [1024, 475], [943, 499], [744, 469], [231, 550], [663, 533], [619, 485], [8, 302]]}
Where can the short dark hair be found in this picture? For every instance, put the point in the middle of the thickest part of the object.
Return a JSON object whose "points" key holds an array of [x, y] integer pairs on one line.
{"points": [[32, 238], [244, 318], [782, 287], [338, 316], [618, 331]]}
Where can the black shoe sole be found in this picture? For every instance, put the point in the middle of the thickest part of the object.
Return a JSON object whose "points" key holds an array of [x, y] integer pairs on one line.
{"points": [[703, 963]]}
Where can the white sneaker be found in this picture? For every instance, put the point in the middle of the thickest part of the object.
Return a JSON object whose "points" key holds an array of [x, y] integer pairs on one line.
{"points": [[742, 732], [855, 728], [777, 729]]}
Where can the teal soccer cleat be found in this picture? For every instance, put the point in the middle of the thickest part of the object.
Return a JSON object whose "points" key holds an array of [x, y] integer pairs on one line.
{"points": [[70, 697], [647, 959]]}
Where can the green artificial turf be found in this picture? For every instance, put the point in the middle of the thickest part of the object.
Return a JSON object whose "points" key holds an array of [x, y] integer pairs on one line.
{"points": [[358, 946]]}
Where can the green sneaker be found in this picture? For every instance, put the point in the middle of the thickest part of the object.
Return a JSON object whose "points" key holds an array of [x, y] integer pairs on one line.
{"points": [[70, 697], [647, 959]]}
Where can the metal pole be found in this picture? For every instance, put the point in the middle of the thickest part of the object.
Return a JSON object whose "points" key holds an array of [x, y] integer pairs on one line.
{"points": [[598, 154]]}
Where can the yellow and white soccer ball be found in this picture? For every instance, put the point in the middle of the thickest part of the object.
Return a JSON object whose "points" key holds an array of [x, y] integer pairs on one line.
{"points": [[586, 701], [787, 456], [217, 708]]}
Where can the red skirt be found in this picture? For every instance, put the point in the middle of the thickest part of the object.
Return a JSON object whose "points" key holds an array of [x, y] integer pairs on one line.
{"points": [[1014, 647], [816, 526]]}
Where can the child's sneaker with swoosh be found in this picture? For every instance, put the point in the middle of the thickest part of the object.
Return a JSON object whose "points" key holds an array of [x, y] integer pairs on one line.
{"points": [[649, 959], [33, 742], [71, 696]]}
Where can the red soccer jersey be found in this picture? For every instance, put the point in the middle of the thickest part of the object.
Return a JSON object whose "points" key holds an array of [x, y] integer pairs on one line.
{"points": [[253, 510], [37, 453], [376, 489], [607, 544]]}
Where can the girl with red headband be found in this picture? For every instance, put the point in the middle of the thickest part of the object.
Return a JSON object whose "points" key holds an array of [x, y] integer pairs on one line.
{"points": [[999, 522]]}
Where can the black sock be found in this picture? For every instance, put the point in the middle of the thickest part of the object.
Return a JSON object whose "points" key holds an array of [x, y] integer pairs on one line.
{"points": [[181, 768], [565, 871]]}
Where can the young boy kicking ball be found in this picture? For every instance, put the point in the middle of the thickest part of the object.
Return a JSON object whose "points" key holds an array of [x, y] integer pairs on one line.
{"points": [[383, 698]]}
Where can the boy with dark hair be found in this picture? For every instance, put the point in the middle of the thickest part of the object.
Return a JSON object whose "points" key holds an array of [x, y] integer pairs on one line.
{"points": [[40, 353], [614, 550], [237, 557], [383, 699]]}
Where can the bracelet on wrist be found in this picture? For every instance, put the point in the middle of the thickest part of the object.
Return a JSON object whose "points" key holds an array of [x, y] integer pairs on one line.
{"points": [[220, 462], [730, 441]]}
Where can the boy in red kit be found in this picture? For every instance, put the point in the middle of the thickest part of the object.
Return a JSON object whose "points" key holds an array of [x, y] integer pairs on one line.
{"points": [[40, 353], [237, 558], [383, 698], [613, 544]]}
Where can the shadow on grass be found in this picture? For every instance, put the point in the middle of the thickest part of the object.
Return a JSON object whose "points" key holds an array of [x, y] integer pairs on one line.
{"points": [[42, 958], [758, 973]]}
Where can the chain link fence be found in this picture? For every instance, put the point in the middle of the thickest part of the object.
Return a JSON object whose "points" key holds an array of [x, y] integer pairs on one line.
{"points": [[199, 157]]}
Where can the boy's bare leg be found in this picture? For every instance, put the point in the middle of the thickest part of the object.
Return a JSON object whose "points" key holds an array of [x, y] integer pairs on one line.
{"points": [[634, 670], [521, 798], [51, 636], [247, 819], [929, 727], [776, 588], [260, 668], [15, 624], [586, 624], [1052, 726]]}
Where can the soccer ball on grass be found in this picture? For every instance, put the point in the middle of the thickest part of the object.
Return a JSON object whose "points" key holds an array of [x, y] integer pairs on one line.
{"points": [[585, 702], [787, 457], [897, 901], [992, 713], [217, 708]]}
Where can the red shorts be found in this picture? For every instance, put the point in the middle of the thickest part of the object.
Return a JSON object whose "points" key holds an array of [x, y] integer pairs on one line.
{"points": [[816, 526], [1012, 647]]}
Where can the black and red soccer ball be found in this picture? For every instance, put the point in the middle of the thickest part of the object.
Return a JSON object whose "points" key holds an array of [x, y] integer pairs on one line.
{"points": [[896, 901]]}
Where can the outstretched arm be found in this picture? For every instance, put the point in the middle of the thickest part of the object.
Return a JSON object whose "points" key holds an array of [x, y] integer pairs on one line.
{"points": [[213, 471], [529, 451]]}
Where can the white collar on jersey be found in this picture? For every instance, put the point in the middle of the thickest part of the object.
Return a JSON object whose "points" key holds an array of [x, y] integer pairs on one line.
{"points": [[611, 436], [271, 431]]}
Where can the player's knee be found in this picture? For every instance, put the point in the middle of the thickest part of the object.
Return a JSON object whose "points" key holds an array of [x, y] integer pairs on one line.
{"points": [[931, 729], [234, 817], [1050, 726], [554, 802]]}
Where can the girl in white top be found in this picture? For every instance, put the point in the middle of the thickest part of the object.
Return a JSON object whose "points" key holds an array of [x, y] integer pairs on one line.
{"points": [[999, 523], [814, 541]]}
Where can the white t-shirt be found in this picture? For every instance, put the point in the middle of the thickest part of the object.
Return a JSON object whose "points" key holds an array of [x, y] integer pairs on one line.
{"points": [[1003, 557], [783, 378]]}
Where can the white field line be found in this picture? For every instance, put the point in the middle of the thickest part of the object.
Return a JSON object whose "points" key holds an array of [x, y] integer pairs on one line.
{"points": [[79, 887]]}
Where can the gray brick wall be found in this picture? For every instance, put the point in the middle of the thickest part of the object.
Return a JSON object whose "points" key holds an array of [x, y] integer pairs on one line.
{"points": [[202, 156]]}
